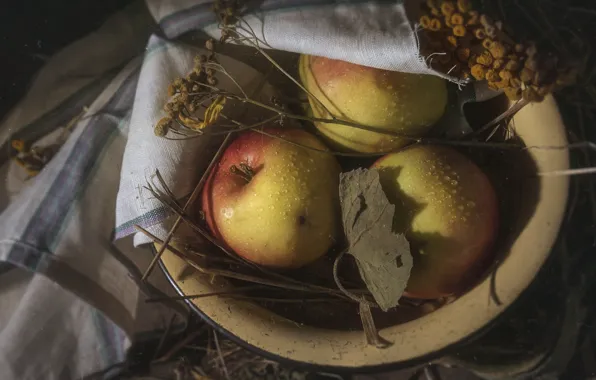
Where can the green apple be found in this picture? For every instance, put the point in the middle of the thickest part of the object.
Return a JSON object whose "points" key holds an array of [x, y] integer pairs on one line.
{"points": [[447, 208], [401, 103], [273, 202]]}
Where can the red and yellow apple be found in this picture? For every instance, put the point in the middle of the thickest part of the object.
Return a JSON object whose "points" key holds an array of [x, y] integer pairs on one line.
{"points": [[447, 208], [273, 202], [396, 102]]}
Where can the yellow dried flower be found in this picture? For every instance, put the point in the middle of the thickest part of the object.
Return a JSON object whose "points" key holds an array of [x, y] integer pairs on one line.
{"points": [[19, 145], [435, 12], [505, 74], [435, 25], [513, 94], [491, 31], [459, 30], [480, 34], [447, 8], [486, 43], [498, 49], [457, 19], [502, 84], [162, 127], [451, 42], [474, 18], [448, 23], [492, 76], [464, 5], [485, 59], [425, 22], [478, 72], [498, 64]]}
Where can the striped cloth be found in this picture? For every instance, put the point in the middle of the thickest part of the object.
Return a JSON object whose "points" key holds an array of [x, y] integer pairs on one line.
{"points": [[70, 300]]}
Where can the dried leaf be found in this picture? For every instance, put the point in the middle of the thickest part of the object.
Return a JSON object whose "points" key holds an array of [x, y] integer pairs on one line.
{"points": [[383, 257]]}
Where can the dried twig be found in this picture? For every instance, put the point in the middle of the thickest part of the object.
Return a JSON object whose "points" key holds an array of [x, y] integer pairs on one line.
{"points": [[190, 201]]}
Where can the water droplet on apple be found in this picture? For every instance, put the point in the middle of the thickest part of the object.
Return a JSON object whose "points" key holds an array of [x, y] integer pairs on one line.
{"points": [[454, 182], [460, 207], [227, 212], [464, 219], [471, 204], [454, 191]]}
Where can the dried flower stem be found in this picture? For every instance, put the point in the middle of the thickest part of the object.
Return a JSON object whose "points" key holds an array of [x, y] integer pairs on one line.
{"points": [[190, 200], [290, 285]]}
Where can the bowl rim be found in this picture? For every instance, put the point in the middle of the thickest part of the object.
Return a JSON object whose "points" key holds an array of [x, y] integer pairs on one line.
{"points": [[369, 369]]}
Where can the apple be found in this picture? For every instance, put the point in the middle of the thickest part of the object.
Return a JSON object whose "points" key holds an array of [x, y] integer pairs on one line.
{"points": [[272, 202], [407, 104], [447, 208]]}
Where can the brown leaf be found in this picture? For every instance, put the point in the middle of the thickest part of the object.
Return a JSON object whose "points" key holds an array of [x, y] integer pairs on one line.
{"points": [[383, 257]]}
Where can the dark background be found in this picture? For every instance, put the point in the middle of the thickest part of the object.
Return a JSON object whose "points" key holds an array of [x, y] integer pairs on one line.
{"points": [[33, 30]]}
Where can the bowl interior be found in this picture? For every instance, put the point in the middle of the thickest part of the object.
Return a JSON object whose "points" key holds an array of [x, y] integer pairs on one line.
{"points": [[532, 210]]}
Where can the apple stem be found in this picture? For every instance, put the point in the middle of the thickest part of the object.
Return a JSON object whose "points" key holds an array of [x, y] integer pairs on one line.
{"points": [[244, 171]]}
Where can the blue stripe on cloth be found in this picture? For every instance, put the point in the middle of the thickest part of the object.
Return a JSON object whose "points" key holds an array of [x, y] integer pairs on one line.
{"points": [[146, 220], [201, 15], [46, 223]]}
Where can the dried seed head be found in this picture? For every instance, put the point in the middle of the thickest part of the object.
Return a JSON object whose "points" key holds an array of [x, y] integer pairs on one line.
{"points": [[478, 72], [435, 25], [210, 72], [492, 76], [505, 74], [480, 34], [199, 60], [474, 18], [447, 8], [450, 43], [498, 64], [464, 6], [457, 19], [498, 49], [485, 59], [491, 31], [171, 90], [459, 30], [162, 127], [503, 83], [486, 43], [212, 81]]}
